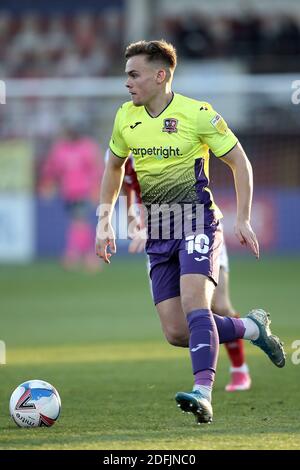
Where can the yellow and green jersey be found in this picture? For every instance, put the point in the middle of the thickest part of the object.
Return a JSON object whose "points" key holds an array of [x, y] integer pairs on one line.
{"points": [[171, 151]]}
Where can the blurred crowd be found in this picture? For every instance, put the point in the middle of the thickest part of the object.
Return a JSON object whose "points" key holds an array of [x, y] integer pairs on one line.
{"points": [[86, 44], [272, 40], [82, 45]]}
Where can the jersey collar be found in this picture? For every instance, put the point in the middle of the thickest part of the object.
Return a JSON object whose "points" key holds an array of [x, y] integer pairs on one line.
{"points": [[154, 117]]}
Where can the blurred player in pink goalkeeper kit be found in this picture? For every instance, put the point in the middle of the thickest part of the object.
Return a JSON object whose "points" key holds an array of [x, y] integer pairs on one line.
{"points": [[221, 304], [75, 164], [169, 136]]}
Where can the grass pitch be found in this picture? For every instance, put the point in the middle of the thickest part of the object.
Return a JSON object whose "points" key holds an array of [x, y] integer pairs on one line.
{"points": [[97, 339]]}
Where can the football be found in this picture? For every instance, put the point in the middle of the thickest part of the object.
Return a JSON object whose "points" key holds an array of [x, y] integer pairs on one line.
{"points": [[35, 403]]}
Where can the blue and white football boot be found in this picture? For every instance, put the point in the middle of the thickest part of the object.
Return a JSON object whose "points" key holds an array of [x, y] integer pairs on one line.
{"points": [[267, 342], [194, 402]]}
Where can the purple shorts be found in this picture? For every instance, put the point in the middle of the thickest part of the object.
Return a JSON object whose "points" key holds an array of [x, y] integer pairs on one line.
{"points": [[170, 259]]}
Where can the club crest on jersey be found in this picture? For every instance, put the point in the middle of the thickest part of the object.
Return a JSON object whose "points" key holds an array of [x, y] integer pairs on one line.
{"points": [[170, 125]]}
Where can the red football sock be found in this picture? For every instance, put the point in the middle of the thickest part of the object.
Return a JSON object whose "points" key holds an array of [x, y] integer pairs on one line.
{"points": [[236, 353]]}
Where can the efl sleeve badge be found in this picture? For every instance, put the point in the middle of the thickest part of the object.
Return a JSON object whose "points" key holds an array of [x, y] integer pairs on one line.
{"points": [[219, 123]]}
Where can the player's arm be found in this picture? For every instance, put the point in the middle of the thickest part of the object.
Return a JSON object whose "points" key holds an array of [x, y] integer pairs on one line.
{"points": [[241, 168], [110, 188], [213, 131]]}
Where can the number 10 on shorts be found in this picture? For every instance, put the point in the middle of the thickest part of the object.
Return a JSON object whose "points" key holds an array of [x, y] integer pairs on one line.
{"points": [[199, 243]]}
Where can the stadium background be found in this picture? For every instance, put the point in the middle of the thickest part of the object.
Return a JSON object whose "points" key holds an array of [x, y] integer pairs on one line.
{"points": [[63, 60]]}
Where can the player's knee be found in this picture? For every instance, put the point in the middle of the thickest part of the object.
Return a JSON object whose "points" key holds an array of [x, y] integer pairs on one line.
{"points": [[191, 302], [177, 338]]}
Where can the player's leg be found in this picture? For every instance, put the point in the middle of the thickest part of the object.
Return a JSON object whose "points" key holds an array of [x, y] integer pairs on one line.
{"points": [[164, 274], [165, 287], [71, 255], [86, 238], [199, 275], [199, 268], [173, 322], [196, 295], [240, 377], [253, 327], [175, 328]]}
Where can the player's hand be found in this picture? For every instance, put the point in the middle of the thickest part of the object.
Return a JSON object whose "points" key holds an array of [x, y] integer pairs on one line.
{"points": [[247, 237], [105, 240], [137, 244]]}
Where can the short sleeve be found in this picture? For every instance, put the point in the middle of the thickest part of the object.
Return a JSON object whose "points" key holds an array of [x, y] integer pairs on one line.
{"points": [[213, 130], [117, 143]]}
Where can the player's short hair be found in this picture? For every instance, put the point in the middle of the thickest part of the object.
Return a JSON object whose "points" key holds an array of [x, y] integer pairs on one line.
{"points": [[155, 51]]}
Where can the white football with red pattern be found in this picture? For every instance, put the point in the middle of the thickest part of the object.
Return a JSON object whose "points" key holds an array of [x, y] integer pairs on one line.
{"points": [[35, 403]]}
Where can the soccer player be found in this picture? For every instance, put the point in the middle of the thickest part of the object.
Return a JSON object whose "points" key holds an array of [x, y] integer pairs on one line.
{"points": [[170, 135], [221, 303], [75, 164]]}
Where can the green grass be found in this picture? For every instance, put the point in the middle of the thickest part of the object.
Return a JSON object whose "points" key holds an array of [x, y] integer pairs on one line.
{"points": [[98, 340]]}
